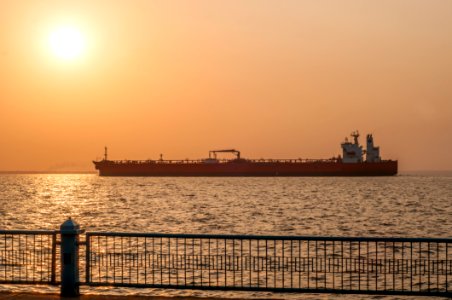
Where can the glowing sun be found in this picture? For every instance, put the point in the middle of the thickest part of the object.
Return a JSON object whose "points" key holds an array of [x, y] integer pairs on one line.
{"points": [[67, 43]]}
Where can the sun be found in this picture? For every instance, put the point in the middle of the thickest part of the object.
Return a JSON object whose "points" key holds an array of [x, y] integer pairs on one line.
{"points": [[67, 43]]}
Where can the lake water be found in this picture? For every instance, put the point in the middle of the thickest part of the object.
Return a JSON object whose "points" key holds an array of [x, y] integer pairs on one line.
{"points": [[401, 206]]}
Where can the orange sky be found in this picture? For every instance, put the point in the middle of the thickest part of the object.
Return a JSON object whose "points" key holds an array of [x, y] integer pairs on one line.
{"points": [[274, 79]]}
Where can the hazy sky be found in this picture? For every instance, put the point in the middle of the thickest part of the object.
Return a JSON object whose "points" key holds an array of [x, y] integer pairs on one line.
{"points": [[274, 79]]}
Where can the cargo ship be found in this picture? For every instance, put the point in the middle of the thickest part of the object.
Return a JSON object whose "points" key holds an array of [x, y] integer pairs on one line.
{"points": [[351, 163]]}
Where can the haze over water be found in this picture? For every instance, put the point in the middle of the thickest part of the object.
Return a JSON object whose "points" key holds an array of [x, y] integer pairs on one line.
{"points": [[401, 206]]}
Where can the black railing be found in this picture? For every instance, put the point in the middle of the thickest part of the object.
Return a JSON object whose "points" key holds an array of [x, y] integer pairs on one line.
{"points": [[401, 266], [270, 263], [210, 160], [28, 257]]}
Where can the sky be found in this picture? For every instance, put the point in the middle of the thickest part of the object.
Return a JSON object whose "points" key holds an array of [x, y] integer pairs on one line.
{"points": [[274, 79]]}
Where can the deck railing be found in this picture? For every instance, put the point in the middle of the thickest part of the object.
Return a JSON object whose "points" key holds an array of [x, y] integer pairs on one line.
{"points": [[222, 161], [208, 161]]}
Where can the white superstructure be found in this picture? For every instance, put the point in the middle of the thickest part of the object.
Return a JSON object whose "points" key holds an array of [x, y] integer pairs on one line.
{"points": [[352, 152], [372, 152]]}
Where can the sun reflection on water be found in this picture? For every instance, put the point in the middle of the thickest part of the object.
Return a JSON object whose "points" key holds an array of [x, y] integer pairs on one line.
{"points": [[398, 206]]}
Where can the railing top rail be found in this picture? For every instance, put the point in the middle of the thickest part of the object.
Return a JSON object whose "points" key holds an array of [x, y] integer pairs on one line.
{"points": [[223, 161], [269, 237], [32, 232]]}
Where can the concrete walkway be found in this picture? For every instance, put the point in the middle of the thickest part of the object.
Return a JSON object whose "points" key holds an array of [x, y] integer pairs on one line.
{"points": [[28, 296]]}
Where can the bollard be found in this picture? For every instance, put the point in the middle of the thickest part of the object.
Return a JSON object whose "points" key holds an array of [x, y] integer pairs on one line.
{"points": [[69, 258]]}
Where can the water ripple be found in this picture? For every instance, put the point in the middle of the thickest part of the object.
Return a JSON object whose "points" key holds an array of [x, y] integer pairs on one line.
{"points": [[414, 206]]}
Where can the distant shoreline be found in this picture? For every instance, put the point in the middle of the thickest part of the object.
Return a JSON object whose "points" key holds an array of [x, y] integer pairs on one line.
{"points": [[48, 172], [427, 173]]}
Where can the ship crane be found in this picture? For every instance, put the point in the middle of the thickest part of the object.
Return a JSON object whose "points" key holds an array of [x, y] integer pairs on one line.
{"points": [[214, 153]]}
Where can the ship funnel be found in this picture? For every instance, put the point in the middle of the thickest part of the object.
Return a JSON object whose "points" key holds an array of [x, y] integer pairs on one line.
{"points": [[372, 153]]}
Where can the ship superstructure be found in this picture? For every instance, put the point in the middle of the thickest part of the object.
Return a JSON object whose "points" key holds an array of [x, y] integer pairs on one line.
{"points": [[352, 152], [350, 164], [372, 152]]}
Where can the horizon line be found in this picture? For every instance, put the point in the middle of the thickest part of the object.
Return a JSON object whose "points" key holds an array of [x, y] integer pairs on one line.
{"points": [[404, 172], [47, 172]]}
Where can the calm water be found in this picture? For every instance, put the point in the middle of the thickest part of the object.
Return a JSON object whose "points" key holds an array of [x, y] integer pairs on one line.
{"points": [[408, 206]]}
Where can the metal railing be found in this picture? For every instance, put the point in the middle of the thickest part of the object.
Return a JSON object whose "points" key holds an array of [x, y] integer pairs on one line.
{"points": [[270, 263], [399, 266], [28, 257], [222, 161]]}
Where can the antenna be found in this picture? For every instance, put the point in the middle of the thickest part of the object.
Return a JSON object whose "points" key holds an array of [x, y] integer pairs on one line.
{"points": [[355, 135], [106, 153]]}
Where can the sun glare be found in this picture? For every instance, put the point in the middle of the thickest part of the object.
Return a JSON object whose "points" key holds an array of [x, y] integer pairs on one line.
{"points": [[67, 43]]}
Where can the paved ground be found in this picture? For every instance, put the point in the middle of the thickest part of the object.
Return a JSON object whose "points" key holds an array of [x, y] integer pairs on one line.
{"points": [[24, 296], [27, 296]]}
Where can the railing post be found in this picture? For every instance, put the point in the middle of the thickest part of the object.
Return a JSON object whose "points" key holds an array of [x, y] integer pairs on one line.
{"points": [[54, 251], [69, 258]]}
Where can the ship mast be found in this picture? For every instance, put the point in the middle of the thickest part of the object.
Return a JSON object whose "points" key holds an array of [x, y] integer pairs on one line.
{"points": [[355, 135], [106, 153]]}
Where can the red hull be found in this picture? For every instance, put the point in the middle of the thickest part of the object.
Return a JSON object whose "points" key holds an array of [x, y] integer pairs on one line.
{"points": [[245, 168]]}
